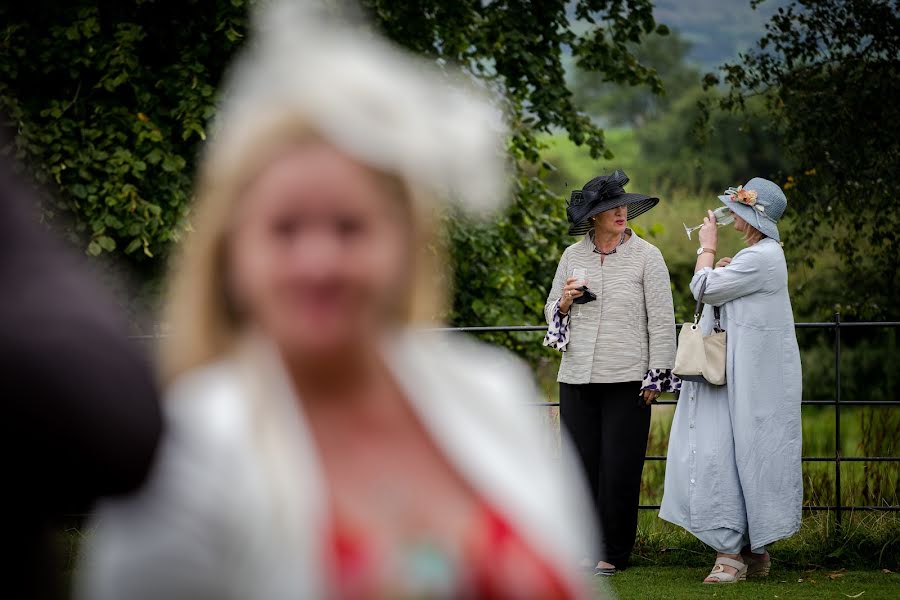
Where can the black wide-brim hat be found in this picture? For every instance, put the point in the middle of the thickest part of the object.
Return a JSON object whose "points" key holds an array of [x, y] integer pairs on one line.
{"points": [[601, 194]]}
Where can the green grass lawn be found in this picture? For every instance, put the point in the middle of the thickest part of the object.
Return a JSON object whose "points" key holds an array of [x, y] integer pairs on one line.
{"points": [[672, 583]]}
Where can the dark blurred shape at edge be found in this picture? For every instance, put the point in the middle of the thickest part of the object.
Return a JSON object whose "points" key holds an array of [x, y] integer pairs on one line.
{"points": [[81, 415]]}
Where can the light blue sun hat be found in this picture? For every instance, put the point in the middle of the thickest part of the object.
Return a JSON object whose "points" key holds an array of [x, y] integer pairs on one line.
{"points": [[760, 202]]}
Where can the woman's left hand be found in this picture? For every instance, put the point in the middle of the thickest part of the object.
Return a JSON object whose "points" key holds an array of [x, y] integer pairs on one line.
{"points": [[709, 232], [650, 396]]}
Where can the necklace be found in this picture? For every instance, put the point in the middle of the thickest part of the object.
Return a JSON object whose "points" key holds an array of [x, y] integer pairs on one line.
{"points": [[613, 251]]}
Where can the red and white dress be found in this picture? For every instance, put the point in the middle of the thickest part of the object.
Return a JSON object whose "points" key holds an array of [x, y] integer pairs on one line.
{"points": [[238, 505]]}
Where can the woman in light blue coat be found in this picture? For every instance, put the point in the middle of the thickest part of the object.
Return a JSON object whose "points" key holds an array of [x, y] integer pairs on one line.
{"points": [[733, 476]]}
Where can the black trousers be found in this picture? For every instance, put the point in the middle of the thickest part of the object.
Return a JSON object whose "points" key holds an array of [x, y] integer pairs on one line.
{"points": [[609, 425]]}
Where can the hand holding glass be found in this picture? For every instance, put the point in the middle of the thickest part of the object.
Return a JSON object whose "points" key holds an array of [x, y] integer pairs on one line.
{"points": [[723, 215], [581, 282], [580, 275]]}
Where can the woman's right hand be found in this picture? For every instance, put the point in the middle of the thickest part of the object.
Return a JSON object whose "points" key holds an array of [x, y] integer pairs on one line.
{"points": [[570, 292], [723, 262], [709, 232]]}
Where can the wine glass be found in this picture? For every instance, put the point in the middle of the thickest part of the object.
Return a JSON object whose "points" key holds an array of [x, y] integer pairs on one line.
{"points": [[580, 274], [723, 215]]}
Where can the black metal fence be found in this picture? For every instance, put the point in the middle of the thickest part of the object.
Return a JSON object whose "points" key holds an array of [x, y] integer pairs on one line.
{"points": [[836, 326]]}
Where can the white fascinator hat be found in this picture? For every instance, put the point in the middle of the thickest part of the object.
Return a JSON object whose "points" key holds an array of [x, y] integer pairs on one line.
{"points": [[419, 120], [307, 74]]}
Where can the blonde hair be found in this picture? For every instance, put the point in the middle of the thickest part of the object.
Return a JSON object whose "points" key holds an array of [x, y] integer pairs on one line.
{"points": [[753, 235], [198, 312]]}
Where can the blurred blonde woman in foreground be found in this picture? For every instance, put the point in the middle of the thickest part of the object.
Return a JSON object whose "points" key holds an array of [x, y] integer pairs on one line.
{"points": [[317, 446]]}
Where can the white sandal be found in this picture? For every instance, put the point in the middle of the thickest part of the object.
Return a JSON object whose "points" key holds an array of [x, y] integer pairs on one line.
{"points": [[720, 575]]}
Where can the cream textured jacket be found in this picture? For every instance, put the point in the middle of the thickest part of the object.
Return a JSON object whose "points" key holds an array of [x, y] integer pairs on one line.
{"points": [[630, 328], [238, 506]]}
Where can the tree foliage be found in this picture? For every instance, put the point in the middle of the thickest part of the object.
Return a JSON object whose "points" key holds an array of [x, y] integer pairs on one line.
{"points": [[504, 268], [520, 45], [829, 73], [629, 105], [109, 102], [679, 146], [726, 149]]}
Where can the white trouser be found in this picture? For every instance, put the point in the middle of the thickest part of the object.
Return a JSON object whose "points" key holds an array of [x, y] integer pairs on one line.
{"points": [[726, 541]]}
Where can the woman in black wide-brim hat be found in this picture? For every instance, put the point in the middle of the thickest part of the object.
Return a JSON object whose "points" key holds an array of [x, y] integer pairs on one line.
{"points": [[610, 312]]}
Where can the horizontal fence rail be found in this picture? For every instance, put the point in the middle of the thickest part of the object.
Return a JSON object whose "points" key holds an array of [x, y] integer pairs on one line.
{"points": [[836, 325], [837, 402]]}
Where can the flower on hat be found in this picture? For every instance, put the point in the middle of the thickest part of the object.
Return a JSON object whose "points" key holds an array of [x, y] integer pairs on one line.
{"points": [[746, 197], [739, 194]]}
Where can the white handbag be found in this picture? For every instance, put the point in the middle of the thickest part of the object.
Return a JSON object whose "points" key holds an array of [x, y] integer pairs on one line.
{"points": [[699, 357]]}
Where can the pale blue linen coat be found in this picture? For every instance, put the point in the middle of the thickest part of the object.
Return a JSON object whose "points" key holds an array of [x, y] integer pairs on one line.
{"points": [[734, 450]]}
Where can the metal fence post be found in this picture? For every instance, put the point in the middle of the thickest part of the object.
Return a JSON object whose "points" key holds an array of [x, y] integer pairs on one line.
{"points": [[837, 417]]}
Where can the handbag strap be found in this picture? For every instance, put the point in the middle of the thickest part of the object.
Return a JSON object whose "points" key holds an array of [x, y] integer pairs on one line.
{"points": [[698, 310]]}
